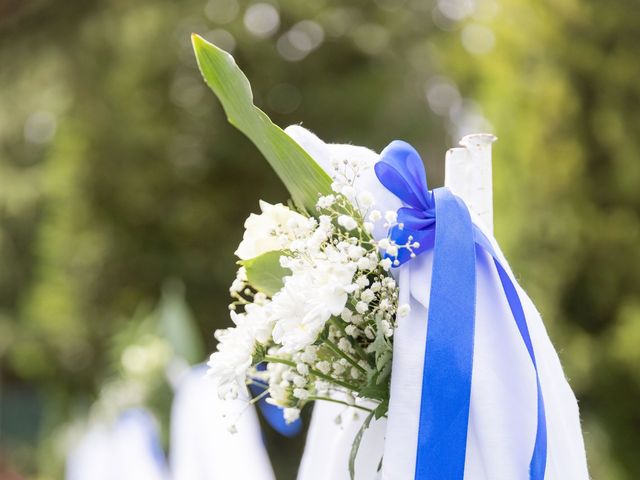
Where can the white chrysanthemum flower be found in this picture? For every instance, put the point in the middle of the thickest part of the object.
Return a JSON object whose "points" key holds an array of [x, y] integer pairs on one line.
{"points": [[309, 298], [229, 364], [274, 229], [258, 319], [297, 320]]}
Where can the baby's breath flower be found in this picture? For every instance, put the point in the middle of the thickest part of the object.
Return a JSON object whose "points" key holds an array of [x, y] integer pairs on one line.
{"points": [[369, 333], [385, 263], [344, 345], [338, 368], [365, 199], [291, 414], [347, 222], [361, 307], [355, 252], [326, 201], [375, 215], [323, 367], [351, 330], [391, 216], [367, 296], [364, 264], [384, 243], [362, 281]]}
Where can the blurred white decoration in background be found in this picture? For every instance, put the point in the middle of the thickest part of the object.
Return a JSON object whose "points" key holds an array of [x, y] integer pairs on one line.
{"points": [[128, 450], [40, 127], [302, 39], [477, 39], [442, 95], [455, 10]]}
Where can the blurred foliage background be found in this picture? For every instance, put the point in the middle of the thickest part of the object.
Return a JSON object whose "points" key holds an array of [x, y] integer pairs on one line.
{"points": [[119, 173]]}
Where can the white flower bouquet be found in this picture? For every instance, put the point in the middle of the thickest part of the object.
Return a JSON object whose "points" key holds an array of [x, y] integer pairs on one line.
{"points": [[314, 303], [315, 300]]}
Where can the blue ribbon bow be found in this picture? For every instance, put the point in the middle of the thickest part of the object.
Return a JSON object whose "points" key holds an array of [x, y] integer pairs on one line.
{"points": [[438, 219]]}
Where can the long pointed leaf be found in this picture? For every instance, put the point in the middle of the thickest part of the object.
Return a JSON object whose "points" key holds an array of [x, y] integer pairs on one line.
{"points": [[302, 176]]}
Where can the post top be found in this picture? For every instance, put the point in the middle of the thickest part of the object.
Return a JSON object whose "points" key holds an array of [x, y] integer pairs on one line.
{"points": [[478, 140]]}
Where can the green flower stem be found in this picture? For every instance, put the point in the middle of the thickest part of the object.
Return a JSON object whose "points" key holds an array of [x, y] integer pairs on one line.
{"points": [[333, 400], [255, 400], [363, 355], [333, 347], [353, 388]]}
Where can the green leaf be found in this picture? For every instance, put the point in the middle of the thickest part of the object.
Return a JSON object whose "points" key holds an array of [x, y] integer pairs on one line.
{"points": [[177, 323], [356, 445], [265, 273], [302, 176]]}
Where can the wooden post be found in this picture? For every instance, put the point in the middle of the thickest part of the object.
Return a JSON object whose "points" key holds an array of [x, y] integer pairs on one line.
{"points": [[468, 174]]}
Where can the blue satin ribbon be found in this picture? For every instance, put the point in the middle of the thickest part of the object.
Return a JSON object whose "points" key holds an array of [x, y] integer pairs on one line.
{"points": [[448, 358]]}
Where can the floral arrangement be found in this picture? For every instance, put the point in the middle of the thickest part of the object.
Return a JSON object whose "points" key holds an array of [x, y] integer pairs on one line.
{"points": [[314, 304], [315, 300], [317, 310]]}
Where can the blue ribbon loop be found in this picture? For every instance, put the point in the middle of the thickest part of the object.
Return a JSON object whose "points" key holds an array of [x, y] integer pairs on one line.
{"points": [[448, 358]]}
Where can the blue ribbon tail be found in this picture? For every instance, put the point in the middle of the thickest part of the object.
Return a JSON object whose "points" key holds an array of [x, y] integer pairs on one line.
{"points": [[448, 359]]}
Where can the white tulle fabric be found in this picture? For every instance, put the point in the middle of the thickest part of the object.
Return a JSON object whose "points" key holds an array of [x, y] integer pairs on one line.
{"points": [[502, 422], [202, 447]]}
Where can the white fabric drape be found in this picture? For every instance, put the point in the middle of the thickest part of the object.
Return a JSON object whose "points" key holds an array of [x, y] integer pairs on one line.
{"points": [[202, 447]]}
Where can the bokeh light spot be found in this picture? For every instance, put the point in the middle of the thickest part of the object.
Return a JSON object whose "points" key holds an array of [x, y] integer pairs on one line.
{"points": [[262, 20]]}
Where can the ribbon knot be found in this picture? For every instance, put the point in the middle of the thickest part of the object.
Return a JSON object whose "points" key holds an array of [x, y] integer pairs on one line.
{"points": [[401, 171], [448, 358]]}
